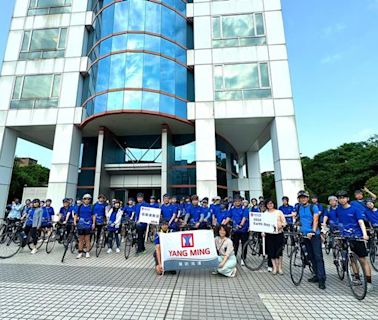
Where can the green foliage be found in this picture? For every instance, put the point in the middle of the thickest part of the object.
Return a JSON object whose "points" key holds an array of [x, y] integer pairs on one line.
{"points": [[32, 176], [372, 184], [269, 187]]}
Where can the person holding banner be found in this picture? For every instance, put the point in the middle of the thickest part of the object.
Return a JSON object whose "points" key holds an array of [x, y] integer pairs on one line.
{"points": [[275, 242], [239, 217], [225, 250], [157, 253], [140, 226]]}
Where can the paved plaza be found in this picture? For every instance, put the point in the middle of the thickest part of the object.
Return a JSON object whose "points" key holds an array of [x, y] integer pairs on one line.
{"points": [[110, 287]]}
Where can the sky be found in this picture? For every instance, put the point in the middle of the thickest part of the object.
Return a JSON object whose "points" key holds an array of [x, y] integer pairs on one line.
{"points": [[333, 58]]}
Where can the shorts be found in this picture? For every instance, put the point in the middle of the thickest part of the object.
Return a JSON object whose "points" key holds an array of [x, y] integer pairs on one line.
{"points": [[359, 248], [83, 232]]}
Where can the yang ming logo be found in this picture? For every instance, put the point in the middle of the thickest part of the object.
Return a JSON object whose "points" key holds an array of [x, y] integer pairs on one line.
{"points": [[187, 240]]}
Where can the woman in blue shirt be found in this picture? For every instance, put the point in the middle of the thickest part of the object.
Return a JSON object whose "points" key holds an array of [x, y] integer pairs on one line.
{"points": [[371, 213], [33, 223]]}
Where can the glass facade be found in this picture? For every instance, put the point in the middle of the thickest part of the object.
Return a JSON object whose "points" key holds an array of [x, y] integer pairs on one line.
{"points": [[42, 7], [43, 44], [137, 51], [244, 81], [37, 91], [239, 30]]}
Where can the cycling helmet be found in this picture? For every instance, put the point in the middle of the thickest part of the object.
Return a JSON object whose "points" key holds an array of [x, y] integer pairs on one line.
{"points": [[36, 201], [285, 198], [303, 193], [332, 198], [87, 196], [140, 195], [341, 193], [66, 200], [370, 200]]}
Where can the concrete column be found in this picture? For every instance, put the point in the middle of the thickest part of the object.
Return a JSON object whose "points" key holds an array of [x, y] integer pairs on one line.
{"points": [[64, 164], [100, 148], [254, 175], [286, 157], [8, 141], [206, 158], [164, 160], [230, 182]]}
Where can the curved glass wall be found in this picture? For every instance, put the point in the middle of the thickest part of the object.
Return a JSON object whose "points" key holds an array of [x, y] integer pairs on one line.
{"points": [[137, 55]]}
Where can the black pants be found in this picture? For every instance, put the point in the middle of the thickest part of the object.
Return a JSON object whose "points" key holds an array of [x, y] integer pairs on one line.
{"points": [[141, 230], [33, 234], [113, 235], [236, 238], [98, 232]]}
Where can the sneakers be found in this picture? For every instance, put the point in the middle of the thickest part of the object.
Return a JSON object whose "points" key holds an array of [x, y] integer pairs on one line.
{"points": [[109, 251], [214, 273], [370, 287], [123, 240], [79, 255], [34, 251], [242, 263], [322, 285], [87, 255], [233, 274], [118, 251], [270, 269], [314, 279]]}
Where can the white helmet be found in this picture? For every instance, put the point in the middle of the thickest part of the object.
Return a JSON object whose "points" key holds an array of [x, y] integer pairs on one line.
{"points": [[87, 195]]}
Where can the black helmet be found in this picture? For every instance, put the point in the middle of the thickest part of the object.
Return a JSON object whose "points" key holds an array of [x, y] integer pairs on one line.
{"points": [[66, 200], [342, 194], [303, 193], [36, 201], [370, 200], [140, 195], [166, 196]]}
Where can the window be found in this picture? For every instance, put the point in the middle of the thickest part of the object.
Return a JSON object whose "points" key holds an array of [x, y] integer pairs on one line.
{"points": [[245, 81], [238, 31], [39, 91], [42, 7], [43, 44]]}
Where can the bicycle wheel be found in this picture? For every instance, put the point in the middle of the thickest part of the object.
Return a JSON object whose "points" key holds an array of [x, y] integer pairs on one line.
{"points": [[254, 258], [93, 238], [74, 243], [356, 277], [297, 266], [128, 244], [10, 246], [50, 244], [374, 254], [327, 243], [67, 242], [100, 243], [338, 261], [3, 233]]}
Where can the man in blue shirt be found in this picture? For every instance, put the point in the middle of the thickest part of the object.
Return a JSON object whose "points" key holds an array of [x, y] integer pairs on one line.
{"points": [[215, 209], [239, 217], [140, 226], [99, 209], [360, 202], [168, 213], [330, 215], [287, 210], [308, 215], [315, 201], [194, 213], [153, 203], [351, 223]]}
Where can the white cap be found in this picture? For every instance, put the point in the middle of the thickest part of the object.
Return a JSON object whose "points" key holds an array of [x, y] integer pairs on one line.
{"points": [[87, 195]]}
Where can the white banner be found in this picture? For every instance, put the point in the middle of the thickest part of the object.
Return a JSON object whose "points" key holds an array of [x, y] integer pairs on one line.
{"points": [[188, 250], [149, 215], [262, 222]]}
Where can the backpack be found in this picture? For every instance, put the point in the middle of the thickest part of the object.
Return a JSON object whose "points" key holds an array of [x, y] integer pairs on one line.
{"points": [[297, 208]]}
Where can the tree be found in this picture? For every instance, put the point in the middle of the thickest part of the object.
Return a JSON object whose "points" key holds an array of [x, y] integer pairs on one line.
{"points": [[372, 184], [32, 176]]}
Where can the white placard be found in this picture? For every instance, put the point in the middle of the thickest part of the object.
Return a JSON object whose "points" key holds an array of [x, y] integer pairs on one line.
{"points": [[262, 222], [188, 250], [149, 215]]}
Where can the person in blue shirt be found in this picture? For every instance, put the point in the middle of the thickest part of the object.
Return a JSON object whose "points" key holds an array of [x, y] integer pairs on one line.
{"points": [[114, 217], [169, 213], [140, 226], [215, 209], [351, 223], [315, 201], [99, 210], [239, 217], [85, 220], [153, 203], [360, 202], [206, 213], [15, 211], [308, 216], [371, 212], [129, 210], [330, 215], [65, 218], [48, 213], [33, 222], [164, 228], [287, 210], [254, 205], [194, 214]]}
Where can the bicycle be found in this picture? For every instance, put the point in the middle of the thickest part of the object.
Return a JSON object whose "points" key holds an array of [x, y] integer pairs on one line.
{"points": [[69, 242], [130, 237], [12, 239], [254, 258], [101, 241], [299, 259], [348, 262], [373, 248]]}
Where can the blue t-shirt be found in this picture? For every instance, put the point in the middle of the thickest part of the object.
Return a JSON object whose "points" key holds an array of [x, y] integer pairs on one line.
{"points": [[137, 212], [332, 216], [306, 217], [206, 213], [112, 219], [63, 212], [29, 220], [128, 210], [85, 216], [348, 220], [372, 216], [154, 205], [156, 239], [99, 212], [360, 205], [286, 210], [255, 209], [195, 213], [167, 211], [237, 215], [215, 210], [46, 217]]}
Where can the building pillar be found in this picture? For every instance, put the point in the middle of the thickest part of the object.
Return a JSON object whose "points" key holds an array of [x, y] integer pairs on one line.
{"points": [[64, 164], [100, 148], [286, 157], [229, 177], [8, 142], [254, 175], [164, 160], [206, 158]]}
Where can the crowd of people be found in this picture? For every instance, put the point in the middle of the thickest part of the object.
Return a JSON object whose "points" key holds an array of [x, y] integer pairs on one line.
{"points": [[228, 217]]}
